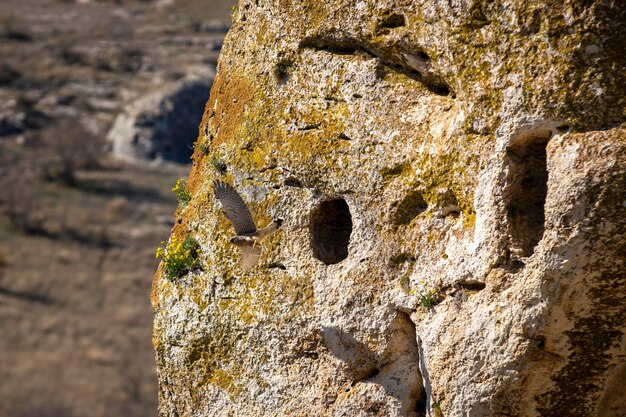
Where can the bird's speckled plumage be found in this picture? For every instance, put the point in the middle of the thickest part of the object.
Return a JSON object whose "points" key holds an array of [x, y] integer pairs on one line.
{"points": [[248, 238], [235, 208]]}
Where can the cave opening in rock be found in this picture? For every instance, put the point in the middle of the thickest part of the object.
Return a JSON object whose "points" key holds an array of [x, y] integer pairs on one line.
{"points": [[330, 227], [525, 192]]}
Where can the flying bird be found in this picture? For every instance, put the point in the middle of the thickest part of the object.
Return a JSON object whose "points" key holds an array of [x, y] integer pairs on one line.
{"points": [[248, 238]]}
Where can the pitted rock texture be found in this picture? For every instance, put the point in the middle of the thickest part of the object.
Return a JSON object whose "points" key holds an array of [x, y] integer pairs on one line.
{"points": [[475, 151]]}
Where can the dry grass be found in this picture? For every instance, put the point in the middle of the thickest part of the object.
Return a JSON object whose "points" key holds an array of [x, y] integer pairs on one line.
{"points": [[74, 293]]}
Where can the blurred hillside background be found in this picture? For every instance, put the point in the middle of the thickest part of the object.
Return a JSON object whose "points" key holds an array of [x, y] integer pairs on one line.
{"points": [[100, 103]]}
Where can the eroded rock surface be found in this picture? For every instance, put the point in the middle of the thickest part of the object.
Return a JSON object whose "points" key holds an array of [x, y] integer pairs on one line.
{"points": [[473, 153]]}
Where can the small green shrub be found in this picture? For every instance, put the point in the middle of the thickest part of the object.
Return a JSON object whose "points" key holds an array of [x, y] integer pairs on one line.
{"points": [[437, 409], [204, 147], [428, 299], [178, 257], [427, 296], [182, 194]]}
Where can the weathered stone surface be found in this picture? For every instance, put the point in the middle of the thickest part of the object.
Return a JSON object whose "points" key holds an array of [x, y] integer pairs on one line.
{"points": [[475, 149], [161, 125]]}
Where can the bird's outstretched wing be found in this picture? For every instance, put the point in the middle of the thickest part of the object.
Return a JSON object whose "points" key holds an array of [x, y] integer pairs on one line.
{"points": [[249, 256], [235, 208]]}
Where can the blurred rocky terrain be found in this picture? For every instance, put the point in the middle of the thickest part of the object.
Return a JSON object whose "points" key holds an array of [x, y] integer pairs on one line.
{"points": [[100, 104]]}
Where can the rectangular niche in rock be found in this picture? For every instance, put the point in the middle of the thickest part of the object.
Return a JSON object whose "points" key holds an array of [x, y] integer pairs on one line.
{"points": [[525, 192]]}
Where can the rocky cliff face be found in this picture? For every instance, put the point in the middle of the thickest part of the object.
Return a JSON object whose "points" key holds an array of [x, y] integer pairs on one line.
{"points": [[452, 180]]}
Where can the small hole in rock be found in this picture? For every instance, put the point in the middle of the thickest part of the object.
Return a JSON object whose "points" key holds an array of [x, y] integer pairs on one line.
{"points": [[541, 342], [283, 69], [372, 373], [410, 207], [293, 182], [277, 265], [331, 227], [563, 128], [472, 285], [393, 20], [516, 265], [441, 90], [421, 55], [401, 258]]}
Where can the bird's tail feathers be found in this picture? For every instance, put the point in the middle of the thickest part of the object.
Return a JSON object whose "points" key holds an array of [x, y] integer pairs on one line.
{"points": [[270, 228]]}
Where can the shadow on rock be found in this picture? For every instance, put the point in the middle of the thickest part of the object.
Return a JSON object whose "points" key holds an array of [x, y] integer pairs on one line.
{"points": [[396, 369]]}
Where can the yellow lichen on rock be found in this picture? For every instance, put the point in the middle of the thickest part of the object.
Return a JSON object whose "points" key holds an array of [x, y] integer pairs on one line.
{"points": [[464, 149]]}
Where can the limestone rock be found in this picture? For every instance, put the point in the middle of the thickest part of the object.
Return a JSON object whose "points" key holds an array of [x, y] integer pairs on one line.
{"points": [[162, 124], [452, 180]]}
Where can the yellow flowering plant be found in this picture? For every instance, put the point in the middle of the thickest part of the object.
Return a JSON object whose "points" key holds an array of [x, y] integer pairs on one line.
{"points": [[182, 194], [178, 257], [428, 296]]}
